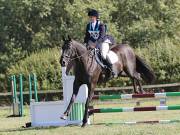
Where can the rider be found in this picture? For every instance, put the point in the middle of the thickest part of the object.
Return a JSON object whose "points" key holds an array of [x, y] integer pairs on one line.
{"points": [[96, 36]]}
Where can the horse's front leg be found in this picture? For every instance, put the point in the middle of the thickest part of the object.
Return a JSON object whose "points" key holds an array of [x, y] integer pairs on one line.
{"points": [[74, 94], [86, 113]]}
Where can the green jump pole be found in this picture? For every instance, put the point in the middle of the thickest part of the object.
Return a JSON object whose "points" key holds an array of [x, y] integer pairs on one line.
{"points": [[30, 89], [33, 84], [21, 94], [35, 87]]}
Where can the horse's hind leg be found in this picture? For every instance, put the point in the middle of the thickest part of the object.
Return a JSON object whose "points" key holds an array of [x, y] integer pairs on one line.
{"points": [[74, 94], [137, 77], [134, 85]]}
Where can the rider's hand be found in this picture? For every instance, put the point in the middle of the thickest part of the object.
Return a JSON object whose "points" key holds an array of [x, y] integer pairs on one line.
{"points": [[92, 45]]}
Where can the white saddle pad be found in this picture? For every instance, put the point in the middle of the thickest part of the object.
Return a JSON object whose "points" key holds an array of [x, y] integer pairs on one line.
{"points": [[113, 58]]}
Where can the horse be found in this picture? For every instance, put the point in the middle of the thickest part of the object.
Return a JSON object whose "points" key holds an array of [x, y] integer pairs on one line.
{"points": [[88, 71]]}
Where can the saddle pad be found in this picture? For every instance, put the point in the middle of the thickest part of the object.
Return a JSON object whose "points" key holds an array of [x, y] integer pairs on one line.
{"points": [[112, 56]]}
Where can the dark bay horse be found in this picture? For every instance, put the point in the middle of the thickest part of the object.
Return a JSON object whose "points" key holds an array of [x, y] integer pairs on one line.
{"points": [[88, 71]]}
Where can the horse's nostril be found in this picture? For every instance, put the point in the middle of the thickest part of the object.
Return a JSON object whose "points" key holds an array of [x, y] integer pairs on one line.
{"points": [[63, 63], [60, 61]]}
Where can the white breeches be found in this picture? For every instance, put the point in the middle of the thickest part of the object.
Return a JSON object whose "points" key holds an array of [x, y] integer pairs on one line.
{"points": [[107, 54], [104, 49]]}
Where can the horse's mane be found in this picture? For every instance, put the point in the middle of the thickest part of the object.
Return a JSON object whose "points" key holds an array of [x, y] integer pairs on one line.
{"points": [[78, 44], [80, 47]]}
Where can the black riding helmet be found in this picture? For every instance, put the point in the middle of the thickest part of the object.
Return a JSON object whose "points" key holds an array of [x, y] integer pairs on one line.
{"points": [[93, 12]]}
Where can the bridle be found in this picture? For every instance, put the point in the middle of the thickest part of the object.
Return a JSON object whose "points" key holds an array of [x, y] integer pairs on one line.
{"points": [[78, 57]]}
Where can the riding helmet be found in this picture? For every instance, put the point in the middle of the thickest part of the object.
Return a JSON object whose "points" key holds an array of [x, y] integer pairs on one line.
{"points": [[93, 12]]}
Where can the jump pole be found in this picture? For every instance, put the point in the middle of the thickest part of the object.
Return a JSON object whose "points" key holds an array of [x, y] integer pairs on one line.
{"points": [[14, 96], [17, 97], [30, 89], [35, 87], [134, 109], [131, 96], [21, 111], [33, 84], [141, 122]]}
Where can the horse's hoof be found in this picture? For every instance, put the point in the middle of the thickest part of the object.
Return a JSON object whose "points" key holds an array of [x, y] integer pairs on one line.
{"points": [[64, 117], [142, 92], [83, 125], [136, 92]]}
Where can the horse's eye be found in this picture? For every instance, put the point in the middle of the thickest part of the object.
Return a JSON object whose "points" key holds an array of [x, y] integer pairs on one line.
{"points": [[69, 53]]}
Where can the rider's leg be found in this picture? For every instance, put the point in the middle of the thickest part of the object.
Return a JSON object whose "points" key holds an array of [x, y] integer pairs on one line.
{"points": [[104, 51]]}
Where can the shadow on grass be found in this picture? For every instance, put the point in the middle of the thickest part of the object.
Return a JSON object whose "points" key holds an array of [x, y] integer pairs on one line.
{"points": [[33, 128], [27, 129]]}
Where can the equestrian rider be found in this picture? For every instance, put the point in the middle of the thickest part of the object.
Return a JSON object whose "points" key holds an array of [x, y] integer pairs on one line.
{"points": [[96, 36]]}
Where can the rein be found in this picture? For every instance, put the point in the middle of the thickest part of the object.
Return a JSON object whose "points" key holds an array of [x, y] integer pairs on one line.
{"points": [[78, 56]]}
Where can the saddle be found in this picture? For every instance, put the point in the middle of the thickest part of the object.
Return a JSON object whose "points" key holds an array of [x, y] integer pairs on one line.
{"points": [[102, 62], [106, 69]]}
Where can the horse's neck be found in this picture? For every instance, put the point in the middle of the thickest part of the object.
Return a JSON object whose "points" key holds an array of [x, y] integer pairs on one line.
{"points": [[81, 58], [81, 49], [85, 65]]}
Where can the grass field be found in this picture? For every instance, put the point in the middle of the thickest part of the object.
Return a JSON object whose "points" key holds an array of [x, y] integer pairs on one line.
{"points": [[14, 125]]}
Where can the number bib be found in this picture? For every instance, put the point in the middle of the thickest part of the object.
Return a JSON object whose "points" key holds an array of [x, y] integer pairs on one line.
{"points": [[94, 34]]}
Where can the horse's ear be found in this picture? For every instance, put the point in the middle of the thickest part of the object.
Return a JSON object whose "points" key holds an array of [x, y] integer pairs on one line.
{"points": [[64, 39], [69, 38]]}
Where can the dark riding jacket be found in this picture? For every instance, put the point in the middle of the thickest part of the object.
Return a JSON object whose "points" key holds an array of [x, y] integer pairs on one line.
{"points": [[98, 34]]}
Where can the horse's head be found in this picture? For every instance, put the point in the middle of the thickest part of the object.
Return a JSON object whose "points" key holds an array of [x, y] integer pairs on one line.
{"points": [[68, 52]]}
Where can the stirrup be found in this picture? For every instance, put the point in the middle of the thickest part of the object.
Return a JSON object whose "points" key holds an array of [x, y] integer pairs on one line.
{"points": [[113, 74]]}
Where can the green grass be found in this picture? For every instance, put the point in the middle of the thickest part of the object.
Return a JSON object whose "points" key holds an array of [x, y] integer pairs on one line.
{"points": [[14, 125]]}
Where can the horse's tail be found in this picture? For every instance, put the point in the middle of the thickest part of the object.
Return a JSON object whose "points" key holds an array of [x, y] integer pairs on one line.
{"points": [[145, 70]]}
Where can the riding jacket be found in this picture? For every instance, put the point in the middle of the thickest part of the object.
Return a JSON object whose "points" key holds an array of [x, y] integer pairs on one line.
{"points": [[96, 34]]}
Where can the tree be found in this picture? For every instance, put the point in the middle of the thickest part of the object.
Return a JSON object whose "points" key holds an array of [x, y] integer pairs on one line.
{"points": [[27, 26], [143, 21]]}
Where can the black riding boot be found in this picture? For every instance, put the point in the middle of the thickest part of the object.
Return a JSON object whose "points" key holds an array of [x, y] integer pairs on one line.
{"points": [[110, 67]]}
